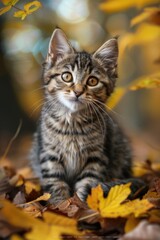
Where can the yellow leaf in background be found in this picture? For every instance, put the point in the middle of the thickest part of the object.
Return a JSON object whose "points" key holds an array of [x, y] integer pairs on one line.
{"points": [[10, 2], [131, 223], [28, 9], [120, 5], [116, 97], [38, 229], [152, 81], [139, 171], [4, 9], [95, 197], [151, 14], [32, 7], [113, 206], [20, 14], [145, 33]]}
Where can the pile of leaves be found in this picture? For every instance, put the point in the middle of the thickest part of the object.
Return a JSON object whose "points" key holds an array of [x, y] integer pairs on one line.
{"points": [[25, 213]]}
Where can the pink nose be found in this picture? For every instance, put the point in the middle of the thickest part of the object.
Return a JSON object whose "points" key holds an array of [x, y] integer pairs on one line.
{"points": [[78, 93]]}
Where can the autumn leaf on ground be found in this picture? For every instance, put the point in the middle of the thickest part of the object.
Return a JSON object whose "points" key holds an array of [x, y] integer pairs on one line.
{"points": [[28, 9], [131, 223], [117, 5], [52, 227], [113, 206], [149, 14]]}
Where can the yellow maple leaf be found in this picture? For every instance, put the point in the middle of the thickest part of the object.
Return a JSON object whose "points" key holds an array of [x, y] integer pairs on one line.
{"points": [[152, 81], [116, 97], [94, 198], [117, 5], [39, 230], [113, 206]]}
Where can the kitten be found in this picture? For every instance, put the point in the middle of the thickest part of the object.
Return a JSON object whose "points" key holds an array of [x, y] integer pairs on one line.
{"points": [[78, 145]]}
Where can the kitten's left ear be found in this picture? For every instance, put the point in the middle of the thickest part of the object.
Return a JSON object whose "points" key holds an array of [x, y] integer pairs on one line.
{"points": [[58, 46], [108, 55]]}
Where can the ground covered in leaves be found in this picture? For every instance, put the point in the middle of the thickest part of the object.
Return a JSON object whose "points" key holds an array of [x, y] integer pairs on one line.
{"points": [[25, 212]]}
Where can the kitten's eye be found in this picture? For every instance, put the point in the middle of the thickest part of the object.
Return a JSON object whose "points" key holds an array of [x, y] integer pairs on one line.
{"points": [[92, 81], [67, 77]]}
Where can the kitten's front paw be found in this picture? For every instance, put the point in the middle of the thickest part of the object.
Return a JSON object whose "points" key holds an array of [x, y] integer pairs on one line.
{"points": [[84, 191]]}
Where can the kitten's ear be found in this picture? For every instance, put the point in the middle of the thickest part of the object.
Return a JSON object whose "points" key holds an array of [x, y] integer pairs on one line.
{"points": [[108, 55], [58, 46]]}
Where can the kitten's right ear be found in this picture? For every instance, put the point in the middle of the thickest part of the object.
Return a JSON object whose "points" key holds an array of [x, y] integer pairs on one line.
{"points": [[58, 46]]}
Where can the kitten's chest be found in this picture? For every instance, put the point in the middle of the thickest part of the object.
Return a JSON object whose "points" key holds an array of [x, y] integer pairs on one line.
{"points": [[73, 143], [74, 151]]}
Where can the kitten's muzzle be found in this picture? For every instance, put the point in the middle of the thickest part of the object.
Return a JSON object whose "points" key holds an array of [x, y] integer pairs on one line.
{"points": [[78, 93], [78, 90]]}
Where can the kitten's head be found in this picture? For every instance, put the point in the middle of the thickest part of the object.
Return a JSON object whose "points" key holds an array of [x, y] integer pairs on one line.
{"points": [[77, 79]]}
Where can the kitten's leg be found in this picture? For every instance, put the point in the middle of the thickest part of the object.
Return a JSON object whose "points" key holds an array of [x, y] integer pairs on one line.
{"points": [[53, 179], [94, 173]]}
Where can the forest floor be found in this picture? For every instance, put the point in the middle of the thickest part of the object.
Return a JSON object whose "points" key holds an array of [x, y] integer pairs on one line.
{"points": [[25, 212]]}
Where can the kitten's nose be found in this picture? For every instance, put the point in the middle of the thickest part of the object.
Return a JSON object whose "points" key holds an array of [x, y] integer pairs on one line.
{"points": [[78, 93], [78, 90]]}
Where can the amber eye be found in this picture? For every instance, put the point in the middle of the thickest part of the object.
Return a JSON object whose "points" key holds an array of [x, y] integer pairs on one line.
{"points": [[92, 81], [67, 77]]}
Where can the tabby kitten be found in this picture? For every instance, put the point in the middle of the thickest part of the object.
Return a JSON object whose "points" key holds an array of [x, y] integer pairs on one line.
{"points": [[78, 145]]}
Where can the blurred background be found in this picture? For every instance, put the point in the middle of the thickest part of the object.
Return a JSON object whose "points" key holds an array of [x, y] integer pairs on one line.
{"points": [[23, 47]]}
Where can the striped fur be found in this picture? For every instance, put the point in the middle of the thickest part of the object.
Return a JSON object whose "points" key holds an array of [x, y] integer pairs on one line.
{"points": [[78, 144]]}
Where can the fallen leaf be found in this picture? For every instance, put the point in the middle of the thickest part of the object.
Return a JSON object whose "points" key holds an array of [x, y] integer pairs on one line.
{"points": [[51, 228], [44, 197], [30, 186], [131, 223], [93, 200], [16, 237], [113, 206]]}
